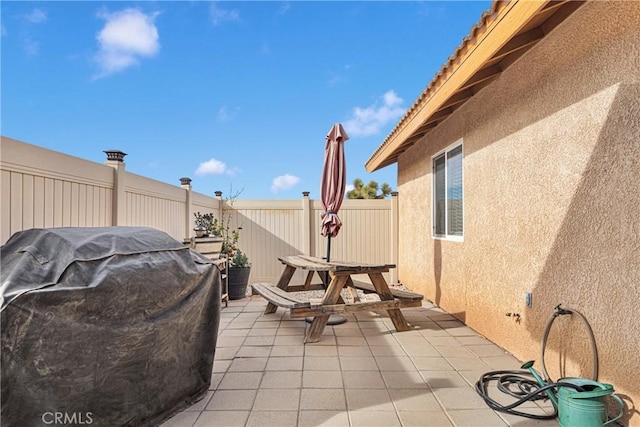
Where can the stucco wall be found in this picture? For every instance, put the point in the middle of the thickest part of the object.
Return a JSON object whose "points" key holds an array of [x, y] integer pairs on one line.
{"points": [[551, 202]]}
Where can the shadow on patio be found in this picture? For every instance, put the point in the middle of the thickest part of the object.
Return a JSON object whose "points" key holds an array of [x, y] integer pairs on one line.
{"points": [[362, 373]]}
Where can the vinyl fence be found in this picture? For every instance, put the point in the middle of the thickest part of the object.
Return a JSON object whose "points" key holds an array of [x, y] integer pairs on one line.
{"points": [[44, 188]]}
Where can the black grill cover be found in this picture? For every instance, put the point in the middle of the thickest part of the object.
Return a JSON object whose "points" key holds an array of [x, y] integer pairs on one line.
{"points": [[104, 326]]}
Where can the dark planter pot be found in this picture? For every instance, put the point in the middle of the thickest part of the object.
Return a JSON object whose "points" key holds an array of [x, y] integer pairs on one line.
{"points": [[237, 281]]}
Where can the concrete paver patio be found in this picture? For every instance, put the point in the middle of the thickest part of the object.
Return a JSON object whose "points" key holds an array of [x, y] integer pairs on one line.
{"points": [[362, 373]]}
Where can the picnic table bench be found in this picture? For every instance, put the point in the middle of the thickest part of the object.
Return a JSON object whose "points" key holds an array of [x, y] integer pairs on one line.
{"points": [[341, 273]]}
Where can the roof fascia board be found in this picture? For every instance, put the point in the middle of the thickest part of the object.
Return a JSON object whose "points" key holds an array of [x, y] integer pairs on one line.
{"points": [[506, 25]]}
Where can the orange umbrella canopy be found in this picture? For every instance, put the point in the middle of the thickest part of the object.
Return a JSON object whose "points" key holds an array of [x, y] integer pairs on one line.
{"points": [[333, 183]]}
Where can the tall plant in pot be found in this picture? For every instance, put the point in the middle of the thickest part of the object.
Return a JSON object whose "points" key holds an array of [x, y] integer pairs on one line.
{"points": [[206, 225], [239, 265]]}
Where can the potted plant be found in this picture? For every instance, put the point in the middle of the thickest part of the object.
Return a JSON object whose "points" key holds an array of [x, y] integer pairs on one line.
{"points": [[200, 231], [239, 266], [206, 225]]}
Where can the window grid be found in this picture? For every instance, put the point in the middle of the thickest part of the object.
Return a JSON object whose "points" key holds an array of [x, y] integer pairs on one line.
{"points": [[447, 212]]}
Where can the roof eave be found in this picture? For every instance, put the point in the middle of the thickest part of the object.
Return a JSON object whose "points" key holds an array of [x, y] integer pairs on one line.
{"points": [[495, 30]]}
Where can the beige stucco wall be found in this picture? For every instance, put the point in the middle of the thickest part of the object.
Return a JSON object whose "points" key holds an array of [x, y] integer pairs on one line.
{"points": [[551, 200]]}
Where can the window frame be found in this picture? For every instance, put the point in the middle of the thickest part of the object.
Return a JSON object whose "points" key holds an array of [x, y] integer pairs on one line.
{"points": [[444, 152]]}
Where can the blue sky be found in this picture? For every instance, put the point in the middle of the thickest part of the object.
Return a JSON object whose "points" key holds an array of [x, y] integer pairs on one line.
{"points": [[230, 94]]}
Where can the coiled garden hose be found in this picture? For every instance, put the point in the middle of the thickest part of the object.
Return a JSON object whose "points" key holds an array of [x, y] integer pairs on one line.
{"points": [[526, 387], [592, 341]]}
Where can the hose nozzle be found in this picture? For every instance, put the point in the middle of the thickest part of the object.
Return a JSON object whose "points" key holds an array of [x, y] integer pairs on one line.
{"points": [[527, 365]]}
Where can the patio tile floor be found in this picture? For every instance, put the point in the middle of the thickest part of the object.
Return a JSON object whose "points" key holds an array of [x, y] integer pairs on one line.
{"points": [[362, 373]]}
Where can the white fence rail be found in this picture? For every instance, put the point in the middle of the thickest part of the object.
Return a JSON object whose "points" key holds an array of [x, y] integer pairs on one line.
{"points": [[44, 188]]}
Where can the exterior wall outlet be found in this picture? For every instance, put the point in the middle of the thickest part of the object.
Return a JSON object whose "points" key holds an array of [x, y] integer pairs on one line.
{"points": [[528, 299]]}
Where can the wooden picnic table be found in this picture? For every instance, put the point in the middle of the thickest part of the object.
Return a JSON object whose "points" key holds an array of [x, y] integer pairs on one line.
{"points": [[341, 273]]}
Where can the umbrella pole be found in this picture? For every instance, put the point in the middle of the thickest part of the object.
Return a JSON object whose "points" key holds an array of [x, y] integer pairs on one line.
{"points": [[326, 274], [334, 319]]}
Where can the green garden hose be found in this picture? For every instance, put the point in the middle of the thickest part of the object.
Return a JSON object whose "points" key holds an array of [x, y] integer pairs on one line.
{"points": [[522, 386]]}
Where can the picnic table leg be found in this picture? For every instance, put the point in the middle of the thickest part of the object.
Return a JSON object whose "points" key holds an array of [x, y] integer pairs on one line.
{"points": [[330, 297], [322, 275], [283, 283], [352, 290], [307, 282], [382, 289]]}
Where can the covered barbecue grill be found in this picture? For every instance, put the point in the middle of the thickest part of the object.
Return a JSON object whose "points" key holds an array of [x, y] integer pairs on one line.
{"points": [[107, 326]]}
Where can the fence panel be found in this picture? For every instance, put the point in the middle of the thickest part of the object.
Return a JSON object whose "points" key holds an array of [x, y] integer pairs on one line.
{"points": [[204, 204], [273, 228], [365, 235], [270, 228], [43, 188], [151, 203]]}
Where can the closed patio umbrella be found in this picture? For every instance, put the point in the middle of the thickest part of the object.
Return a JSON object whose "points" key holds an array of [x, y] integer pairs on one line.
{"points": [[333, 183], [332, 190]]}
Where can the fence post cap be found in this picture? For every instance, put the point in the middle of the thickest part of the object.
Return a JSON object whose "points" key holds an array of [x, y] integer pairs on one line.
{"points": [[116, 155]]}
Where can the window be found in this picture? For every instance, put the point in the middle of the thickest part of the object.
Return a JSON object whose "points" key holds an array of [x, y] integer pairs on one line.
{"points": [[447, 194]]}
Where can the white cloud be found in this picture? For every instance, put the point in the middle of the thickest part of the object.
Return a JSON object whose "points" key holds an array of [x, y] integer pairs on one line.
{"points": [[127, 36], [232, 171], [32, 47], [284, 8], [335, 80], [225, 114], [211, 167], [219, 16], [370, 120], [349, 187], [36, 16], [284, 182]]}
